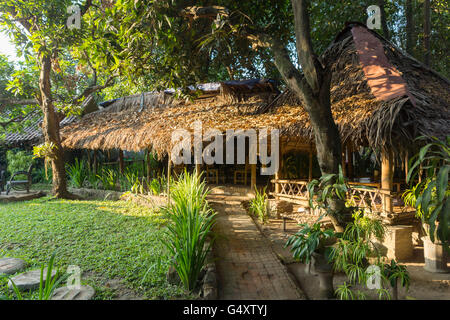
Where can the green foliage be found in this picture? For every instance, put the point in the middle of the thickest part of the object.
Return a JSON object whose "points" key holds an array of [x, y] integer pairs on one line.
{"points": [[310, 239], [108, 179], [395, 272], [155, 186], [92, 179], [133, 182], [259, 206], [78, 173], [430, 197], [18, 161], [40, 176], [190, 223], [355, 246], [344, 292]]}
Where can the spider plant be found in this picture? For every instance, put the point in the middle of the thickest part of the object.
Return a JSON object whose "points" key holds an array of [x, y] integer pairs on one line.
{"points": [[108, 178], [77, 173], [258, 205], [190, 223]]}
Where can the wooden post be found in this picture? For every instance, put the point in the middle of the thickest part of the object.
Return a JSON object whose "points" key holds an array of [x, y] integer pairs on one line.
{"points": [[168, 178], [149, 167], [121, 163], [310, 170], [406, 166], [387, 178], [198, 168], [95, 162], [89, 159], [253, 180], [350, 161], [344, 167]]}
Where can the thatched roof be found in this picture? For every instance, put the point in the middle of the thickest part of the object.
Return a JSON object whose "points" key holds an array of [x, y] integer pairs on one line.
{"points": [[362, 117]]}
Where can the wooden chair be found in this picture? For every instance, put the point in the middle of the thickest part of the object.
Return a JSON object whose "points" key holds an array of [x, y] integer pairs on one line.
{"points": [[20, 185], [212, 175], [241, 175]]}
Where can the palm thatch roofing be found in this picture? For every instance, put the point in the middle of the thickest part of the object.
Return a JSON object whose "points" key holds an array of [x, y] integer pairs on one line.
{"points": [[420, 106]]}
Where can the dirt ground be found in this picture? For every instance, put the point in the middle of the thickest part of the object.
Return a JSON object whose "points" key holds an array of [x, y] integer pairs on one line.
{"points": [[424, 285]]}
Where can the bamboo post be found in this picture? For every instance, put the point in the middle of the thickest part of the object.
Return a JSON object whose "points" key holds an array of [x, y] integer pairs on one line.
{"points": [[121, 163], [406, 166], [350, 161], [198, 169], [149, 168], [387, 178], [95, 162], [344, 167], [168, 179], [310, 169], [253, 180]]}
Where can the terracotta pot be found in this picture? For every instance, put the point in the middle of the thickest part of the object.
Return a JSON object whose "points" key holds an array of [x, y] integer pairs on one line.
{"points": [[324, 271]]}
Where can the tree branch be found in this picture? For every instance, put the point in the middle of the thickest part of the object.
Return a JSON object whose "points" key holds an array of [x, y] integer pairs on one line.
{"points": [[305, 50], [89, 90]]}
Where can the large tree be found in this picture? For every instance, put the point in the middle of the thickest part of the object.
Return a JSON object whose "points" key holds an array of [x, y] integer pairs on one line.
{"points": [[39, 28]]}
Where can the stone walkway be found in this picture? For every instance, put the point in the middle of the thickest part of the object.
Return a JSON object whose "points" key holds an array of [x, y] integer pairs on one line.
{"points": [[247, 267]]}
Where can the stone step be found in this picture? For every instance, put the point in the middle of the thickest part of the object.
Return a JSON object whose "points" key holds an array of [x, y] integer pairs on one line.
{"points": [[29, 280], [11, 266]]}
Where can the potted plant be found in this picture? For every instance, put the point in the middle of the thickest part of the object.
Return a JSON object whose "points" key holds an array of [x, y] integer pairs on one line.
{"points": [[313, 245], [431, 199]]}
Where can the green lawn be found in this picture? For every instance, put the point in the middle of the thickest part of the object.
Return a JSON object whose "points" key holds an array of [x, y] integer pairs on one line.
{"points": [[106, 239]]}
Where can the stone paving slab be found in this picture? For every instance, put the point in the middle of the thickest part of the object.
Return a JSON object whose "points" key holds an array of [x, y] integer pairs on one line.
{"points": [[29, 280], [10, 266], [16, 196], [247, 267], [82, 293]]}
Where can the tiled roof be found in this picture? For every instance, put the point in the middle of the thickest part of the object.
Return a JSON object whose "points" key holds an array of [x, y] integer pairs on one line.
{"points": [[32, 133]]}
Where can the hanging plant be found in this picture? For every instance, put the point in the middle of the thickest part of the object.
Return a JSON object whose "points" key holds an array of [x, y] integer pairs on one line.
{"points": [[45, 151]]}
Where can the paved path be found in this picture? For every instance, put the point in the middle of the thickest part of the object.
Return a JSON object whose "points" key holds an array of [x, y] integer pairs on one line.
{"points": [[247, 268]]}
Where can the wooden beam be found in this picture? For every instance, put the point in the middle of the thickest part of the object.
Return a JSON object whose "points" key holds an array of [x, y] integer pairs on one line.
{"points": [[387, 175]]}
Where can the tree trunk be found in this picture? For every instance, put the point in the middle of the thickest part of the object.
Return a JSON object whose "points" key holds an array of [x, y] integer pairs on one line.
{"points": [[314, 89], [409, 27], [383, 19], [426, 33], [50, 129]]}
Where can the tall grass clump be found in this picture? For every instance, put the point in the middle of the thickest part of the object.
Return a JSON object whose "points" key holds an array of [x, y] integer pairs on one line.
{"points": [[190, 223], [258, 205], [78, 173]]}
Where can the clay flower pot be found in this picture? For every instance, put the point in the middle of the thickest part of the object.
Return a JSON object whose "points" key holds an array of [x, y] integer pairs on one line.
{"points": [[324, 270]]}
